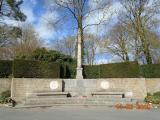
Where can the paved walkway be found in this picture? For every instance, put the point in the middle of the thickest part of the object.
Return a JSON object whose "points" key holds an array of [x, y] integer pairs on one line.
{"points": [[77, 113]]}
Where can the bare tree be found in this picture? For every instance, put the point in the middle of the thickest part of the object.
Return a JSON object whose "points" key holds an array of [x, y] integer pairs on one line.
{"points": [[119, 42], [80, 10], [66, 45], [69, 43], [91, 45], [28, 41], [8, 37], [141, 16]]}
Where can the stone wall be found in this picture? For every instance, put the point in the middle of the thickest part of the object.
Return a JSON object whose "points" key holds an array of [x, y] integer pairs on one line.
{"points": [[5, 84], [135, 87], [23, 87], [152, 85]]}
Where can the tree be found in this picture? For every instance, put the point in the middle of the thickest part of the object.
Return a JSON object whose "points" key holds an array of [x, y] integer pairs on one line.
{"points": [[141, 16], [69, 44], [80, 10], [9, 34], [155, 45], [42, 54], [66, 46], [27, 42], [91, 44], [10, 8], [16, 41], [8, 37], [119, 42]]}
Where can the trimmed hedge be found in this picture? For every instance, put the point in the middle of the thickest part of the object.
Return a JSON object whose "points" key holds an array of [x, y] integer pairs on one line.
{"points": [[71, 70], [5, 68], [39, 69], [151, 71], [35, 69], [120, 70], [91, 71], [115, 70]]}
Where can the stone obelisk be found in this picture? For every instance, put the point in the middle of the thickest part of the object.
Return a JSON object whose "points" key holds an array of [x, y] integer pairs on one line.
{"points": [[79, 72]]}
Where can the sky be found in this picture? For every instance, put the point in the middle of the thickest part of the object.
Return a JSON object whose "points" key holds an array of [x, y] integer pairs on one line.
{"points": [[41, 12], [38, 13]]}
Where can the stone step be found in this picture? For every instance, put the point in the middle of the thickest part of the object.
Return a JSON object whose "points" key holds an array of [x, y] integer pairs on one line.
{"points": [[92, 101], [76, 104], [108, 94], [77, 98], [49, 94], [55, 105]]}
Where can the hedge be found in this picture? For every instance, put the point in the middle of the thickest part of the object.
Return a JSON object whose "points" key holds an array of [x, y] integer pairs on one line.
{"points": [[71, 70], [39, 69], [151, 71], [5, 68], [91, 71], [35, 69], [114, 70]]}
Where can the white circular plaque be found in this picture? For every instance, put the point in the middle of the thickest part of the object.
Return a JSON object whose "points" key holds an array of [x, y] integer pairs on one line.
{"points": [[54, 85], [104, 84]]}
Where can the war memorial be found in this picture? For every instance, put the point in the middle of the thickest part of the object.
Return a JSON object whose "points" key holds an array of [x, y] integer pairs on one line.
{"points": [[79, 91]]}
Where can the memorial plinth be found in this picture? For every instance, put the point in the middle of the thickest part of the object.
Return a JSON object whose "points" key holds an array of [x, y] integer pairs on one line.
{"points": [[79, 74]]}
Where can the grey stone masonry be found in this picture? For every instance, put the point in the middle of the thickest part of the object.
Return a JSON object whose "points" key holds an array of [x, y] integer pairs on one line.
{"points": [[79, 72]]}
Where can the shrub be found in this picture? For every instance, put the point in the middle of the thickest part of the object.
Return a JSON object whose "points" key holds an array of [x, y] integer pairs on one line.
{"points": [[35, 69], [151, 71], [5, 68], [157, 94], [4, 96], [155, 98]]}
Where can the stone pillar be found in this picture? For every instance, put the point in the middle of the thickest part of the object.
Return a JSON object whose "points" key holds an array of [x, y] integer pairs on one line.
{"points": [[79, 72]]}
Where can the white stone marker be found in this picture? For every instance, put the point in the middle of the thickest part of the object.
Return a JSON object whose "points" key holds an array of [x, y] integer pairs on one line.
{"points": [[79, 71]]}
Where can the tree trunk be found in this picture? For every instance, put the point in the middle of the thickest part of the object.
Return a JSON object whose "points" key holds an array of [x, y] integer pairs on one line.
{"points": [[1, 2]]}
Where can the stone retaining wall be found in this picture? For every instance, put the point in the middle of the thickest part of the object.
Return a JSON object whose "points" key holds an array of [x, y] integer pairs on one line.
{"points": [[133, 87], [152, 85], [23, 87], [5, 84]]}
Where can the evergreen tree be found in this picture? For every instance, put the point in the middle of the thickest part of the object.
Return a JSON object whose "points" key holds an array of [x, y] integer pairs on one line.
{"points": [[11, 9]]}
